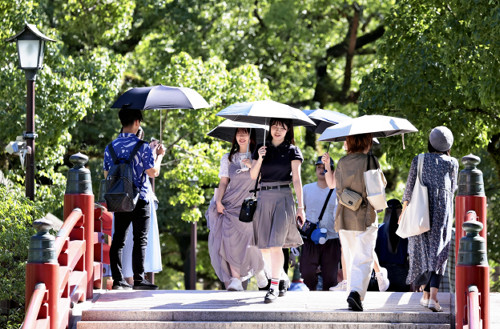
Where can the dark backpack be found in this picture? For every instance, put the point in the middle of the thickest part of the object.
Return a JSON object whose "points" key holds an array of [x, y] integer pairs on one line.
{"points": [[121, 193]]}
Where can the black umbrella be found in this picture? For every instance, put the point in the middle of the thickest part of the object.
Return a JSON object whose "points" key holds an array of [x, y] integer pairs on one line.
{"points": [[227, 129], [160, 97]]}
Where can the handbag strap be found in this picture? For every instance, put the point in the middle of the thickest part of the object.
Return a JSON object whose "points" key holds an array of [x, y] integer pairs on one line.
{"points": [[370, 157], [324, 205], [254, 191], [419, 167]]}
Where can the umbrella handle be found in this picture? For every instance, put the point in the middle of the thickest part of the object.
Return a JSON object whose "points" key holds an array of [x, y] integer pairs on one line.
{"points": [[264, 132], [328, 149], [161, 126], [249, 137]]}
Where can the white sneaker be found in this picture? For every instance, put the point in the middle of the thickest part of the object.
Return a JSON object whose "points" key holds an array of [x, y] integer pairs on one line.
{"points": [[341, 286], [382, 279], [434, 306], [261, 279], [235, 285]]}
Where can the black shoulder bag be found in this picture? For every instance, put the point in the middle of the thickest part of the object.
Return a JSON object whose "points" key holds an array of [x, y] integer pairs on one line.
{"points": [[249, 205], [309, 227]]}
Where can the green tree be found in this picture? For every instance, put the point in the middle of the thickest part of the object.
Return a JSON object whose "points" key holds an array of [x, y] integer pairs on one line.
{"points": [[16, 216], [439, 65]]}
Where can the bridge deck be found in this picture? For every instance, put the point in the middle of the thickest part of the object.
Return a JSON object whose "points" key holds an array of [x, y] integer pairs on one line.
{"points": [[296, 306]]}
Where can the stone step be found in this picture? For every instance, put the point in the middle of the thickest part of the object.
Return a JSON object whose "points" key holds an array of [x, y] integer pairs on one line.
{"points": [[266, 316], [253, 325], [236, 310]]}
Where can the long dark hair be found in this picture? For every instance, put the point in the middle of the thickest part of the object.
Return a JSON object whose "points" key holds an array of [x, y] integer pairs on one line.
{"points": [[286, 123], [235, 146]]}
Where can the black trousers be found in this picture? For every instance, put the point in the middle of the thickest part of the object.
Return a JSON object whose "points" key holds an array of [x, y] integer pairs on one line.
{"points": [[139, 217], [325, 255], [434, 281]]}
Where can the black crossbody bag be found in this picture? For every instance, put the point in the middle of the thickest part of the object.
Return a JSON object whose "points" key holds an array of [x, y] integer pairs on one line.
{"points": [[308, 227], [249, 205]]}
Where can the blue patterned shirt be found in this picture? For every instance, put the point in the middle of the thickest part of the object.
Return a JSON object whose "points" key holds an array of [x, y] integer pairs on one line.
{"points": [[143, 160]]}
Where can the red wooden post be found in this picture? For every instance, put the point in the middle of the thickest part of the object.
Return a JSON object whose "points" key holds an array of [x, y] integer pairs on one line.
{"points": [[470, 196], [42, 266], [79, 195], [472, 270]]}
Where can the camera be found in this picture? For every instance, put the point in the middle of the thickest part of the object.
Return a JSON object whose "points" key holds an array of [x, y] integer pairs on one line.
{"points": [[19, 147]]}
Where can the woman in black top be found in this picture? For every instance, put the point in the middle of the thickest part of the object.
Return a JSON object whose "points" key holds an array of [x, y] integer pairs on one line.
{"points": [[275, 220]]}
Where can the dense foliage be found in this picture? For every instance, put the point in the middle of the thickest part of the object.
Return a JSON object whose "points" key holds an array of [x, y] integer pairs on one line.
{"points": [[431, 62], [16, 216], [439, 65]]}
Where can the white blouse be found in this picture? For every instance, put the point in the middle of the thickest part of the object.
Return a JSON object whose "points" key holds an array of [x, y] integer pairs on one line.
{"points": [[237, 157]]}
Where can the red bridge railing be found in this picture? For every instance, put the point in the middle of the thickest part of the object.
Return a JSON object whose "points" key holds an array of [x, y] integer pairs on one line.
{"points": [[472, 269], [64, 270]]}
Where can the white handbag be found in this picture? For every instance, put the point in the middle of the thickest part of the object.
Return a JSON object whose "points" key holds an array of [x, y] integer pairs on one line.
{"points": [[375, 183], [415, 219]]}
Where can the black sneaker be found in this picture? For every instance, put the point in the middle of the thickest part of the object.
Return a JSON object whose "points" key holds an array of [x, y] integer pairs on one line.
{"points": [[354, 302], [144, 285], [121, 285], [270, 296], [282, 288]]}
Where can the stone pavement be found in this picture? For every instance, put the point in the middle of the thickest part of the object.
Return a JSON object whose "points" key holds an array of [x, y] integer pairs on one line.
{"points": [[184, 306]]}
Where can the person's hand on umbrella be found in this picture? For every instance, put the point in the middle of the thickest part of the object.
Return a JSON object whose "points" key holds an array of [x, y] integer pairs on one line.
{"points": [[326, 161], [247, 162], [262, 152], [160, 149]]}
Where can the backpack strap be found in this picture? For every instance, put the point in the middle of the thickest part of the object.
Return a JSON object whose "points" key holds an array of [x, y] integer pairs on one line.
{"points": [[114, 157], [112, 152], [135, 150]]}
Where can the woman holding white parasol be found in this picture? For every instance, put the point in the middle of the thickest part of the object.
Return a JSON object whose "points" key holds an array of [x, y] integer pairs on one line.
{"points": [[357, 227]]}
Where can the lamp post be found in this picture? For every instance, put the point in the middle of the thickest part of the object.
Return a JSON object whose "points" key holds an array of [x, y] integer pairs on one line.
{"points": [[30, 44], [192, 248]]}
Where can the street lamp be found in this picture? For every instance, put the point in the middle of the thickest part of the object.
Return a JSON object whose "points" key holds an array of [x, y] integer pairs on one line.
{"points": [[193, 181], [30, 44]]}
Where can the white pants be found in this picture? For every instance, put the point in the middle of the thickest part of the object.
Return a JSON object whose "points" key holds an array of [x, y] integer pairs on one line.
{"points": [[358, 248]]}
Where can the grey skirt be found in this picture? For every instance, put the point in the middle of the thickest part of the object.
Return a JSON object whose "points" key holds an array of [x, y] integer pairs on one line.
{"points": [[274, 219]]}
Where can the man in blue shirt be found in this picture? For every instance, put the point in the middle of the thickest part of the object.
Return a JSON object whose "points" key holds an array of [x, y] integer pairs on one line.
{"points": [[144, 164]]}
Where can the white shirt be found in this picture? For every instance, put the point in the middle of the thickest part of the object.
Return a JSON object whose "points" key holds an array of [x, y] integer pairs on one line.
{"points": [[237, 157], [314, 199]]}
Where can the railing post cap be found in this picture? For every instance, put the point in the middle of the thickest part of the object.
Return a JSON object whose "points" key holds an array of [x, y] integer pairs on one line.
{"points": [[471, 160], [472, 227], [42, 225], [78, 160], [41, 248], [79, 181]]}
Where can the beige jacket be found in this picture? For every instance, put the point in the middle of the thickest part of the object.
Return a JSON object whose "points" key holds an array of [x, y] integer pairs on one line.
{"points": [[349, 174]]}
